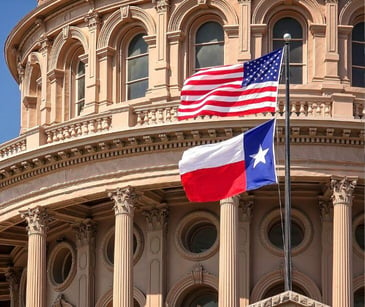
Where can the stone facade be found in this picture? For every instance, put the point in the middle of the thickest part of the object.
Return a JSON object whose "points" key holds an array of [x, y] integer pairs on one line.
{"points": [[92, 211]]}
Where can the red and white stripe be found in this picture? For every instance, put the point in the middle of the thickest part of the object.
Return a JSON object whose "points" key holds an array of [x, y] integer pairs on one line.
{"points": [[218, 91]]}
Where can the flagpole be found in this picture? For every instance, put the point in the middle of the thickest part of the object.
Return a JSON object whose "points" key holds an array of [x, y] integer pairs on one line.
{"points": [[287, 243]]}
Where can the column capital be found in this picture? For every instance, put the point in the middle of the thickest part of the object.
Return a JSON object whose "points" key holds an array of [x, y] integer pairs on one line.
{"points": [[230, 200], [156, 218], [246, 205], [12, 276], [37, 220], [162, 6], [125, 200], [85, 232], [342, 189], [326, 210]]}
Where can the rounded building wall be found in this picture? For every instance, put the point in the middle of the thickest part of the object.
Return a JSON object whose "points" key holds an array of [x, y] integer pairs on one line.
{"points": [[92, 123]]}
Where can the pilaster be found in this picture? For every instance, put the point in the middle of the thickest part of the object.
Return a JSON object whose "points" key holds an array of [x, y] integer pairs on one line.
{"points": [[342, 189], [244, 30], [326, 213], [93, 21], [175, 40], [125, 201], [37, 220], [156, 219], [332, 57], [12, 276], [85, 241], [245, 214], [228, 295]]}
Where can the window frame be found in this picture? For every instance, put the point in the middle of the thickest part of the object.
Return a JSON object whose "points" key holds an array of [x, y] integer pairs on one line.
{"points": [[302, 22], [192, 32]]}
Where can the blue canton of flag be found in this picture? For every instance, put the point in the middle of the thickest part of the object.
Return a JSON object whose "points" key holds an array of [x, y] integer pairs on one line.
{"points": [[264, 69]]}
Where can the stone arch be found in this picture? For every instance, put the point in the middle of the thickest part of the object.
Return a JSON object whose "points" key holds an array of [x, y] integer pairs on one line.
{"points": [[62, 38], [185, 8], [197, 277], [124, 14], [358, 282], [34, 58], [269, 279], [108, 296], [348, 10], [312, 11]]}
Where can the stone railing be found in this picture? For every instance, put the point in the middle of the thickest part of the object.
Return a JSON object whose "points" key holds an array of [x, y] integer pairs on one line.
{"points": [[78, 128], [13, 147]]}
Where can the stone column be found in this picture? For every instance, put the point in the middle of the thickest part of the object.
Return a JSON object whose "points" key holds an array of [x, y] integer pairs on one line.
{"points": [[124, 204], [342, 189], [37, 220], [245, 214], [13, 278], [326, 212], [228, 295], [85, 240], [156, 219]]}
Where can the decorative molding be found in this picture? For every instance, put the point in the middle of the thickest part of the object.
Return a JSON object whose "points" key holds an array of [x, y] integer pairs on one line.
{"points": [[342, 190], [326, 210], [37, 220], [246, 206], [125, 200], [61, 302], [161, 6], [85, 232], [288, 298]]}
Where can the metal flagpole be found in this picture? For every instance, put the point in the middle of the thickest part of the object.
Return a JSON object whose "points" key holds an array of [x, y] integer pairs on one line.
{"points": [[287, 243]]}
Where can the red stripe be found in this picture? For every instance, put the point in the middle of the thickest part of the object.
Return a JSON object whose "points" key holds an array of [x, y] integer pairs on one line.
{"points": [[211, 81], [226, 104], [225, 114], [213, 184]]}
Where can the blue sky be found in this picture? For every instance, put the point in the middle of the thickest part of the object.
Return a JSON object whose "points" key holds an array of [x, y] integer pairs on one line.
{"points": [[12, 11]]}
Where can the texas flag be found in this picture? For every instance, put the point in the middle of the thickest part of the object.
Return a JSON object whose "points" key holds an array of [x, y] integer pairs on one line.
{"points": [[216, 171]]}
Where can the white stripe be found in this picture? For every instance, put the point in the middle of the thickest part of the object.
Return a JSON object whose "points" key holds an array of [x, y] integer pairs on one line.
{"points": [[260, 105], [208, 87], [227, 99], [212, 155]]}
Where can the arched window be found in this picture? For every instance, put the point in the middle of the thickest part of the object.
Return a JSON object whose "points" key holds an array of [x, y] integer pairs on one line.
{"points": [[209, 46], [293, 27], [201, 297], [137, 68], [80, 88], [358, 55], [359, 297], [279, 288]]}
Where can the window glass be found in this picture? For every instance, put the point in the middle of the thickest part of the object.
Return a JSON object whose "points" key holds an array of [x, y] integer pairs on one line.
{"points": [[276, 235], [80, 87], [137, 67], [201, 237], [293, 27], [279, 288], [209, 45], [358, 55]]}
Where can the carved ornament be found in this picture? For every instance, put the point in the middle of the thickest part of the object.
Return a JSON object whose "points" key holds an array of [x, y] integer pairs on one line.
{"points": [[124, 200], [37, 220], [342, 190]]}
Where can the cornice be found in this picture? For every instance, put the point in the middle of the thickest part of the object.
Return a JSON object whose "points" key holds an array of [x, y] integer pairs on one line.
{"points": [[147, 140]]}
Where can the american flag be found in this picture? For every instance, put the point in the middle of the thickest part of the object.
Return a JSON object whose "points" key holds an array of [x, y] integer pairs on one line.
{"points": [[233, 90]]}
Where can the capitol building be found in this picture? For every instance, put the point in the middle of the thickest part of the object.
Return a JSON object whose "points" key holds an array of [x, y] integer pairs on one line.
{"points": [[92, 210]]}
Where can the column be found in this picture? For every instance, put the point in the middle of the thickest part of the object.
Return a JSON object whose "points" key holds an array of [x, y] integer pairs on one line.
{"points": [[85, 241], [228, 295], [37, 220], [124, 204], [156, 219], [342, 189], [245, 214], [326, 213], [13, 278]]}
